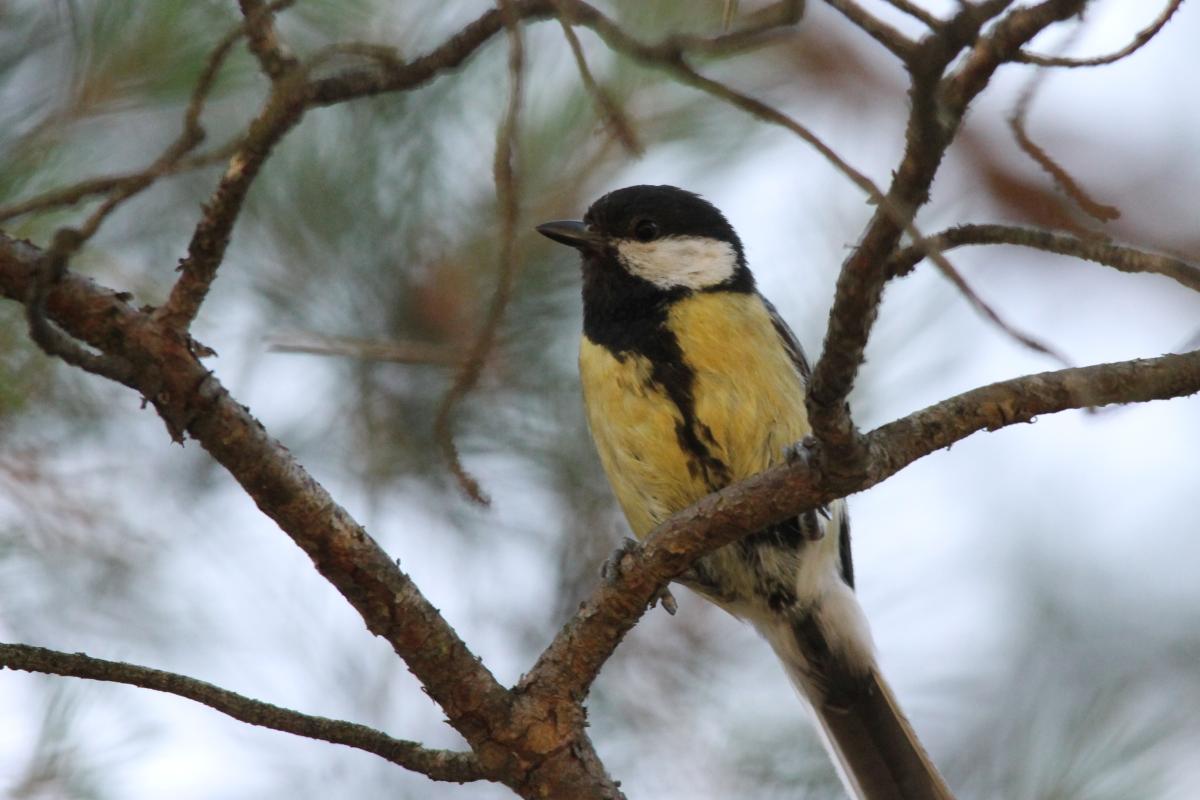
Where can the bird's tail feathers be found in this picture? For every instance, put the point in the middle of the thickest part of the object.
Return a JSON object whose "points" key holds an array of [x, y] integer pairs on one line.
{"points": [[875, 750]]}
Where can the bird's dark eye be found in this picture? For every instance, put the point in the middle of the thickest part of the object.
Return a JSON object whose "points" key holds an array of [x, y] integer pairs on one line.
{"points": [[646, 230]]}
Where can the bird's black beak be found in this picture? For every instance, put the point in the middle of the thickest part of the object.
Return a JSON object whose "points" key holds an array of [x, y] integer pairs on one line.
{"points": [[572, 233]]}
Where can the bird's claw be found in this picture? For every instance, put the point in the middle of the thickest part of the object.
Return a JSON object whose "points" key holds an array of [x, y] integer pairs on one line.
{"points": [[614, 565], [810, 527], [802, 452]]}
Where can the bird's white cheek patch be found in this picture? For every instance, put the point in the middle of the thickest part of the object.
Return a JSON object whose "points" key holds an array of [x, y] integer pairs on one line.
{"points": [[694, 262]]}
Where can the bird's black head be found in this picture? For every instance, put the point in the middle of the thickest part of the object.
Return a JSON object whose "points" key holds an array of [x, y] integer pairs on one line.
{"points": [[643, 248], [668, 238]]}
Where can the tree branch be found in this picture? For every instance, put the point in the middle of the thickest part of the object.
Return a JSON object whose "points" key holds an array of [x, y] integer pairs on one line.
{"points": [[121, 188], [1119, 257], [78, 192], [395, 74], [893, 40], [264, 42], [917, 12], [572, 661], [47, 271], [507, 733], [282, 111], [1018, 124], [533, 739], [937, 110], [367, 349], [609, 111], [1142, 38], [439, 765], [504, 174], [189, 398]]}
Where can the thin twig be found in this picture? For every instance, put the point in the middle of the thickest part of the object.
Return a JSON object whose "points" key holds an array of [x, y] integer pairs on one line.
{"points": [[982, 306], [283, 110], [893, 40], [661, 54], [1119, 257], [507, 193], [1062, 178], [608, 109], [264, 42], [1142, 38], [367, 349], [78, 192], [397, 74], [439, 765], [728, 12], [119, 189], [913, 10]]}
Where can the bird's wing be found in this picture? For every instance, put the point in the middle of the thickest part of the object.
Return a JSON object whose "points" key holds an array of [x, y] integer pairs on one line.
{"points": [[790, 343]]}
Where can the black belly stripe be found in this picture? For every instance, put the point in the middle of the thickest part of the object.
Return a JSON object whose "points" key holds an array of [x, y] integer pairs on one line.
{"points": [[627, 314], [678, 380]]}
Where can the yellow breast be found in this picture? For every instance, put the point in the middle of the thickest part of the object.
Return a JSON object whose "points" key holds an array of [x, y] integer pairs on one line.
{"points": [[745, 391]]}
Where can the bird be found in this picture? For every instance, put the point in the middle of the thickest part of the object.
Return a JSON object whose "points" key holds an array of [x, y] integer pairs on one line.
{"points": [[691, 382]]}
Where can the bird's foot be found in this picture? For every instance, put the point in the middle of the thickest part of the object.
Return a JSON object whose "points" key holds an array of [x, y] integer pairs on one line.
{"points": [[801, 451], [615, 564]]}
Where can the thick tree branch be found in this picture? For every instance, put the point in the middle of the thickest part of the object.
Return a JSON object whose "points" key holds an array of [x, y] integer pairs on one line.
{"points": [[535, 746], [191, 399], [937, 110], [897, 444], [574, 659], [439, 765]]}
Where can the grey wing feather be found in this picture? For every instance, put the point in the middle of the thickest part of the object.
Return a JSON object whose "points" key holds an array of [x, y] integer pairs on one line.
{"points": [[790, 343], [809, 522]]}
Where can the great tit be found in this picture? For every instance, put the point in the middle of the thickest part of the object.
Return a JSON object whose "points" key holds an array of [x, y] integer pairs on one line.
{"points": [[692, 382]]}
